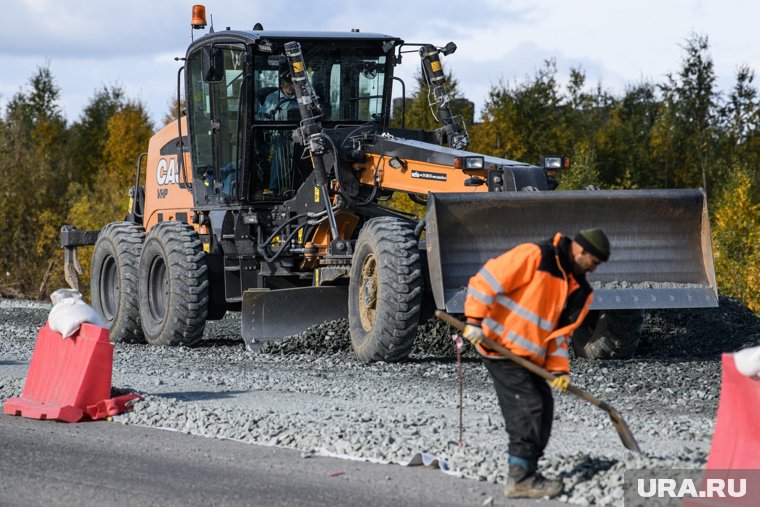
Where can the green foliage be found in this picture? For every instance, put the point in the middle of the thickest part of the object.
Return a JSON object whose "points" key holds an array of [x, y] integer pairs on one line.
{"points": [[88, 135], [584, 172], [56, 174], [624, 143], [687, 125], [420, 115], [524, 121], [400, 201], [128, 131], [174, 109], [736, 237], [680, 132], [35, 169]]}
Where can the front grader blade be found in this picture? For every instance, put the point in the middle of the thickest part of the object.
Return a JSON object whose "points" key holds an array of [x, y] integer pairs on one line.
{"points": [[276, 314], [661, 247]]}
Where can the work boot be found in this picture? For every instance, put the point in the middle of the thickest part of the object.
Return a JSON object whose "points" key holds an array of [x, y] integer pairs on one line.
{"points": [[522, 484]]}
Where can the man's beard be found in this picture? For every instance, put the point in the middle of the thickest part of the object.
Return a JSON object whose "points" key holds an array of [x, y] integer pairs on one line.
{"points": [[577, 272]]}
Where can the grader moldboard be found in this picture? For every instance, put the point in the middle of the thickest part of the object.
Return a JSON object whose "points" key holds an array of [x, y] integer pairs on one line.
{"points": [[280, 213]]}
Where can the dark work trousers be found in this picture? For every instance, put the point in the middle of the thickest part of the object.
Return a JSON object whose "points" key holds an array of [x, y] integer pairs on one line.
{"points": [[527, 405]]}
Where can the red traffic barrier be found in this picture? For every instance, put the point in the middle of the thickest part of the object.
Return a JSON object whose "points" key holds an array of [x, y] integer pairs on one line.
{"points": [[69, 379], [731, 477], [736, 440], [114, 406]]}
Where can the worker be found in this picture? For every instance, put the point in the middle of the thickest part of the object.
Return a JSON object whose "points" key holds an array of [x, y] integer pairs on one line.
{"points": [[280, 105], [277, 104], [530, 300]]}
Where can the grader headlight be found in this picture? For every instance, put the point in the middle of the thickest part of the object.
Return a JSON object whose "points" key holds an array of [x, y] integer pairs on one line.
{"points": [[554, 162], [469, 163]]}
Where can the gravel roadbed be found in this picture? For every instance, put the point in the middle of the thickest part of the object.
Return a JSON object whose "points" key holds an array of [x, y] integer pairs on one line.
{"points": [[310, 393]]}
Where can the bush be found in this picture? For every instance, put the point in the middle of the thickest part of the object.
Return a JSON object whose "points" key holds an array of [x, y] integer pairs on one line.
{"points": [[736, 239]]}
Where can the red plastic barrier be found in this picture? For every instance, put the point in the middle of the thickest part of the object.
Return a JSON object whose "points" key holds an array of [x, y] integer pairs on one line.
{"points": [[66, 377], [735, 450], [736, 440], [114, 406]]}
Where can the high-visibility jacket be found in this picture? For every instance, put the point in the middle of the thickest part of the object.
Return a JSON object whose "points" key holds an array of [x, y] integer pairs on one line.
{"points": [[529, 301]]}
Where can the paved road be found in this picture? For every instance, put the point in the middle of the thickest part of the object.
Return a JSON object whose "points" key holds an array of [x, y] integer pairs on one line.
{"points": [[57, 464]]}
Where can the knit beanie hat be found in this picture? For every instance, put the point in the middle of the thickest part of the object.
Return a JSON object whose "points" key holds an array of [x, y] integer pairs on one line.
{"points": [[595, 242]]}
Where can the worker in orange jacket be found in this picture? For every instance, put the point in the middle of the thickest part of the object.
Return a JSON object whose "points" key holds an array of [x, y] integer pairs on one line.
{"points": [[530, 300]]}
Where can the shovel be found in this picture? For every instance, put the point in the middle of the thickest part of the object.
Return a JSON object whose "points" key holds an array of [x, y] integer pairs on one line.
{"points": [[617, 420]]}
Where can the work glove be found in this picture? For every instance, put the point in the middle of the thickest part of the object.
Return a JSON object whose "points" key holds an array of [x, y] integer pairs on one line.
{"points": [[473, 334], [560, 382]]}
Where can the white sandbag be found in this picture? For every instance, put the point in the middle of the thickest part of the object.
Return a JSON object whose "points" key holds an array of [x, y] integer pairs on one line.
{"points": [[70, 312], [748, 362]]}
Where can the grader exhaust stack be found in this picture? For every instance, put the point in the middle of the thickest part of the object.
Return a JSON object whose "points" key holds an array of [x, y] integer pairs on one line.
{"points": [[661, 250]]}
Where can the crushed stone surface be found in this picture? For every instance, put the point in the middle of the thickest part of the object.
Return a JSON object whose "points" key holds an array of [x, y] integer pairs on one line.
{"points": [[310, 393]]}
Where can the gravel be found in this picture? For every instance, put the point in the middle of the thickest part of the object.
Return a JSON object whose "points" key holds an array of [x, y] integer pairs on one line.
{"points": [[311, 394]]}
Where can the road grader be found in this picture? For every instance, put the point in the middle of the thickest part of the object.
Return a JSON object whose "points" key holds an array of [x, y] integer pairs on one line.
{"points": [[282, 214]]}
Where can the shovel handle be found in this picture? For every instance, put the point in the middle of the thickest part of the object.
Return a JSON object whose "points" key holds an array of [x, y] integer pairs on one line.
{"points": [[528, 365], [620, 426]]}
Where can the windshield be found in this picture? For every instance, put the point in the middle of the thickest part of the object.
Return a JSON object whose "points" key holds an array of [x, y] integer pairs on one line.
{"points": [[348, 81]]}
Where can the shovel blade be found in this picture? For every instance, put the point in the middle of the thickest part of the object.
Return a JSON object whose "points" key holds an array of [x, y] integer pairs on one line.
{"points": [[626, 436]]}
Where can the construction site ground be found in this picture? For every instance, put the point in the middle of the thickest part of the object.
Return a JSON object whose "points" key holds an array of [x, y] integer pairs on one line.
{"points": [[311, 395]]}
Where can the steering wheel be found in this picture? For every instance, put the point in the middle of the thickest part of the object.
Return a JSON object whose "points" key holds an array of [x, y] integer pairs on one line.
{"points": [[283, 101]]}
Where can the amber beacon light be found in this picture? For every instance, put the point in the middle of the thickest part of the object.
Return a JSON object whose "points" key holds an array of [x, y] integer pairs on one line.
{"points": [[199, 17]]}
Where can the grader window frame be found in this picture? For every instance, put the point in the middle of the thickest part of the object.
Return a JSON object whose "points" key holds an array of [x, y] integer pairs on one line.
{"points": [[216, 125]]}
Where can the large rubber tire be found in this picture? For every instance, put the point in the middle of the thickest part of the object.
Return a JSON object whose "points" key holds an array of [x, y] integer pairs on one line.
{"points": [[173, 285], [385, 291], [114, 280], [609, 334]]}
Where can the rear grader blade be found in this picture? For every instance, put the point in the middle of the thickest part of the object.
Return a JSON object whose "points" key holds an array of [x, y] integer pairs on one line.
{"points": [[661, 249], [269, 315]]}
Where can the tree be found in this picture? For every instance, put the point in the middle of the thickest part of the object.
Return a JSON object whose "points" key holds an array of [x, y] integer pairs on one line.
{"points": [[421, 110], [736, 238], [173, 113], [88, 136], [128, 133], [583, 171], [740, 121], [585, 111], [687, 129], [524, 121], [35, 169], [624, 141]]}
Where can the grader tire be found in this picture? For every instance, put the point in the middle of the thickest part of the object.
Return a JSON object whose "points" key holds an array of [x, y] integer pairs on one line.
{"points": [[609, 334], [385, 291], [173, 285], [114, 280]]}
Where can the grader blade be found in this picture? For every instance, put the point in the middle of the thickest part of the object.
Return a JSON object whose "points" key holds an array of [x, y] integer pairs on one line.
{"points": [[276, 314], [661, 248]]}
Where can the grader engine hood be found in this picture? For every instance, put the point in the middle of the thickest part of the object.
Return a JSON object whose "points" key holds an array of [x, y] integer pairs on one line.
{"points": [[661, 250]]}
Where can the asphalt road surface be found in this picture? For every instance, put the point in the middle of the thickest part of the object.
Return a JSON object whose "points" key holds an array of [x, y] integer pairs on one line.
{"points": [[96, 463]]}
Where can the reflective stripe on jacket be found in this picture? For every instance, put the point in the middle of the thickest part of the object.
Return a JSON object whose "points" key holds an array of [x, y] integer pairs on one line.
{"points": [[528, 300]]}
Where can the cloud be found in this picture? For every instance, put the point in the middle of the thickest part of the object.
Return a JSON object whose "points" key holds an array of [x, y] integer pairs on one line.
{"points": [[91, 43]]}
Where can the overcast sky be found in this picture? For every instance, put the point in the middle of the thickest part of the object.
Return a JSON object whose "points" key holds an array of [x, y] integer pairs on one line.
{"points": [[133, 43]]}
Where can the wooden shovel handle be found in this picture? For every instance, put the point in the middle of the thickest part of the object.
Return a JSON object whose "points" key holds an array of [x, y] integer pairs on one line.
{"points": [[528, 365], [620, 426]]}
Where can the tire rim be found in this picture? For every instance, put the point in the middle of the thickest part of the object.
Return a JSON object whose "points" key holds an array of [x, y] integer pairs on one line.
{"points": [[158, 289], [108, 288], [368, 293]]}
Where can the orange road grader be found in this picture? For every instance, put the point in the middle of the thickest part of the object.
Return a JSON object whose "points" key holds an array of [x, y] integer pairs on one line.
{"points": [[274, 205]]}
